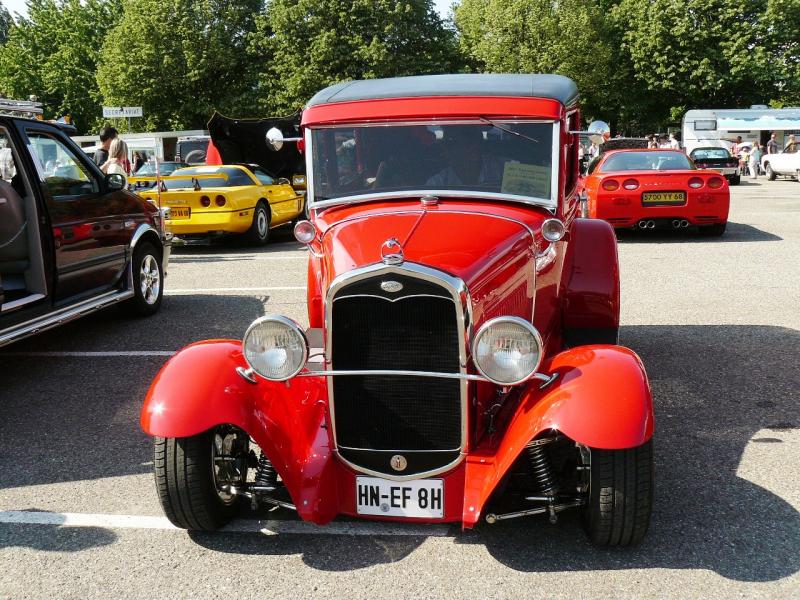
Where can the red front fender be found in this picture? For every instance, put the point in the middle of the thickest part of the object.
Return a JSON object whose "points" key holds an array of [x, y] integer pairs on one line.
{"points": [[601, 399], [199, 388]]}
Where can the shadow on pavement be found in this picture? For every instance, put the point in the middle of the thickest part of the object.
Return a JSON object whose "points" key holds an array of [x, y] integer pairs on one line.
{"points": [[712, 395], [735, 232]]}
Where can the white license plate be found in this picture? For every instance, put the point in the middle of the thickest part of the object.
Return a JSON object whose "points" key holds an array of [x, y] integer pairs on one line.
{"points": [[421, 499]]}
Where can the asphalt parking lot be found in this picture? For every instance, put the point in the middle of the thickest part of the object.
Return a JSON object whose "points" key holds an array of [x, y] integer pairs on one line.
{"points": [[716, 321]]}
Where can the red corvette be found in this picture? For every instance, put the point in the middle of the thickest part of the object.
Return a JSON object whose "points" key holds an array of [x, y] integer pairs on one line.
{"points": [[648, 189], [461, 362]]}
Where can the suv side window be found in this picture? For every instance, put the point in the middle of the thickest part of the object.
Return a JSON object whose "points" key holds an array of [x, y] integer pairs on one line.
{"points": [[63, 173]]}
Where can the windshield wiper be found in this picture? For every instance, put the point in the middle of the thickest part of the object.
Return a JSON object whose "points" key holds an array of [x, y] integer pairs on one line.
{"points": [[507, 130]]}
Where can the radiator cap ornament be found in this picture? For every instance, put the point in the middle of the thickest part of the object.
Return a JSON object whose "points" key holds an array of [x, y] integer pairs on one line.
{"points": [[398, 462], [392, 252]]}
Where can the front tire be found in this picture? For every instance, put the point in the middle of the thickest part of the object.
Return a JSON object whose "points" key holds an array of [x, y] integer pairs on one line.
{"points": [[148, 280], [193, 475], [770, 173], [258, 234], [736, 180], [620, 495]]}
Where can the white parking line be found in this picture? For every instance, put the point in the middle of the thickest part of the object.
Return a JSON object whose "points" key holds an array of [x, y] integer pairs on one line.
{"points": [[17, 517], [93, 354], [184, 291]]}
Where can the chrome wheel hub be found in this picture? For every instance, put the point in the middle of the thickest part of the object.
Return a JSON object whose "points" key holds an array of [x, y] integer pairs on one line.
{"points": [[261, 223], [150, 280]]}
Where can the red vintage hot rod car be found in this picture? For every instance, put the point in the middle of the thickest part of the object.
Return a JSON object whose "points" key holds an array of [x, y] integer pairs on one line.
{"points": [[461, 361]]}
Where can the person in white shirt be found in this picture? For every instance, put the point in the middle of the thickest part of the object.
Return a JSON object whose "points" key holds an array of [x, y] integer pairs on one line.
{"points": [[673, 143]]}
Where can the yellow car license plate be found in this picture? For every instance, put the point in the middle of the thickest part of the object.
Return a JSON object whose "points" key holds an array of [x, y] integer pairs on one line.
{"points": [[180, 212], [667, 198]]}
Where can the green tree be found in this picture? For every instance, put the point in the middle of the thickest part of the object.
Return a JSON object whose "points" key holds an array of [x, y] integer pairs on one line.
{"points": [[53, 54], [569, 37], [181, 60], [6, 21], [305, 45], [782, 23], [702, 53]]}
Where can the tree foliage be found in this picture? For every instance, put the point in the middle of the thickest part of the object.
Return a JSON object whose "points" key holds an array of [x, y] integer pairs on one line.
{"points": [[180, 60], [569, 37], [53, 54], [6, 21], [306, 45]]}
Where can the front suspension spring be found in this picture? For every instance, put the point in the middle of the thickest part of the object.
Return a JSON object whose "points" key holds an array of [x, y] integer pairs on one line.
{"points": [[266, 475], [541, 470]]}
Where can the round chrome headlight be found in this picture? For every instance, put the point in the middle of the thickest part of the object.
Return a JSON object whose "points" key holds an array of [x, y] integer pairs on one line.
{"points": [[507, 350], [275, 347]]}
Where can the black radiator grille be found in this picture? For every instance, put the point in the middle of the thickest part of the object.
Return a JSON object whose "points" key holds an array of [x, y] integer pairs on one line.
{"points": [[383, 413]]}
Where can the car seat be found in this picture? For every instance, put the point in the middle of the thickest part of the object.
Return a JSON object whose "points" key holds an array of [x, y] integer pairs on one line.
{"points": [[13, 231]]}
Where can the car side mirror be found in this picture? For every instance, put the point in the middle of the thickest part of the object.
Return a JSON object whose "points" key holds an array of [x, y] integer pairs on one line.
{"points": [[275, 139], [115, 182], [284, 181]]}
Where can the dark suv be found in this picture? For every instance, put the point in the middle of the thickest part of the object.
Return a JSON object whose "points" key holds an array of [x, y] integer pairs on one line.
{"points": [[72, 239]]}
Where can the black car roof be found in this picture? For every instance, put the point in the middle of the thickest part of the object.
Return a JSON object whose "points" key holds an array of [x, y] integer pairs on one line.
{"points": [[553, 87]]}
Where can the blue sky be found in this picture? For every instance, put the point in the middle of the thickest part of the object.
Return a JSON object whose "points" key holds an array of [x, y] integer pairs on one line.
{"points": [[18, 6]]}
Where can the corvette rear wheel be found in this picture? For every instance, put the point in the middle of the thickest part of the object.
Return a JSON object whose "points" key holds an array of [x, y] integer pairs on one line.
{"points": [[736, 180], [197, 477], [620, 495], [258, 234]]}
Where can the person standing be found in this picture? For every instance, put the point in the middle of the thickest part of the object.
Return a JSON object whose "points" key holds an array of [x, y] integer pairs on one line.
{"points": [[118, 156], [107, 134], [755, 160], [138, 161], [772, 145], [673, 143]]}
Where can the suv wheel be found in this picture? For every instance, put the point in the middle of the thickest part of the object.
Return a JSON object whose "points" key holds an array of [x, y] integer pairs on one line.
{"points": [[620, 495], [194, 476], [148, 280]]}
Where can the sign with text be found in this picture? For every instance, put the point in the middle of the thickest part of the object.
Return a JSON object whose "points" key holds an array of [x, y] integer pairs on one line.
{"points": [[113, 112]]}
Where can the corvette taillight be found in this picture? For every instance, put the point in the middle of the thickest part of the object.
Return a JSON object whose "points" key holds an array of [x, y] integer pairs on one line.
{"points": [[715, 183], [205, 201], [220, 200], [610, 185], [695, 183], [630, 184]]}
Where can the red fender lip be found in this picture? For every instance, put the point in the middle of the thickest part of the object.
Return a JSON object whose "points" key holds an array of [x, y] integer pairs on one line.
{"points": [[601, 399]]}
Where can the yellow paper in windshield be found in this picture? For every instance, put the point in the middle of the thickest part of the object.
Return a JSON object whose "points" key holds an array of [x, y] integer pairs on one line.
{"points": [[526, 180]]}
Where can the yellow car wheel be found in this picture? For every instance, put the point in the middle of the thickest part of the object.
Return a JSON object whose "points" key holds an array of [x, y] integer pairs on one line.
{"points": [[258, 234]]}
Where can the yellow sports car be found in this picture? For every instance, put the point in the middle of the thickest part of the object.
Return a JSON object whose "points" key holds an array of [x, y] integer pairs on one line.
{"points": [[145, 177], [210, 201]]}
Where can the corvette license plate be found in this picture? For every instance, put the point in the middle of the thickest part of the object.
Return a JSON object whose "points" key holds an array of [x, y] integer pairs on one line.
{"points": [[421, 499], [663, 198], [180, 212]]}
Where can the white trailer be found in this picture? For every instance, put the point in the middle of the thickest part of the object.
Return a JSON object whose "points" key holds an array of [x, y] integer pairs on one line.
{"points": [[161, 144], [719, 128]]}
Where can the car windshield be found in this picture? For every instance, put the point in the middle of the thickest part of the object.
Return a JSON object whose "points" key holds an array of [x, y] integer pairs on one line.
{"points": [[207, 177], [166, 168], [646, 161], [704, 153], [512, 160]]}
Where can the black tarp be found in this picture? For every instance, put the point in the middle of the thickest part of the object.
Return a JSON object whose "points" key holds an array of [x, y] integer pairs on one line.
{"points": [[245, 141]]}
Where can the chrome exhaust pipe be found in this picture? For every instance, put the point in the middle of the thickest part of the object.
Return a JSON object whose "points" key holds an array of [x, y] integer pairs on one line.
{"points": [[651, 224], [684, 223], [676, 223], [642, 224]]}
